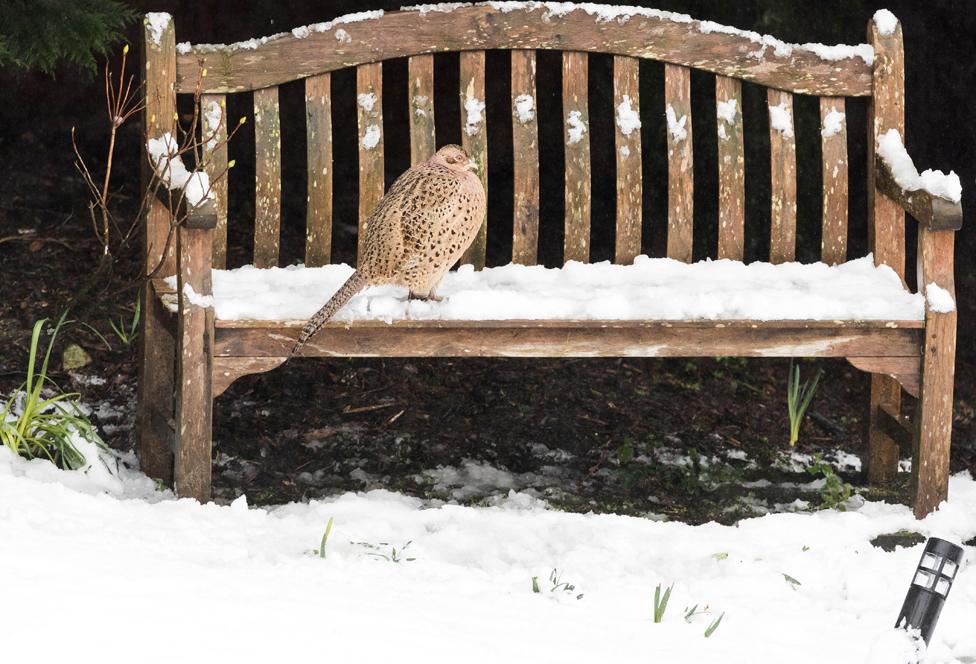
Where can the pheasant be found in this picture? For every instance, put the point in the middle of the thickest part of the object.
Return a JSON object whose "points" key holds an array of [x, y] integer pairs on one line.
{"points": [[419, 230]]}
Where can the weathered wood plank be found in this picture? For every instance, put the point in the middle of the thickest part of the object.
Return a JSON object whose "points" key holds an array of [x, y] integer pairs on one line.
{"points": [[714, 325], [933, 212], [213, 129], [782, 164], [881, 462], [681, 176], [731, 168], [627, 136], [896, 428], [833, 134], [571, 338], [157, 367], [525, 159], [886, 219], [886, 223], [195, 343], [474, 139], [933, 420], [267, 182], [576, 119], [421, 108], [400, 34], [157, 354], [228, 369], [369, 101], [318, 146], [905, 370], [159, 117]]}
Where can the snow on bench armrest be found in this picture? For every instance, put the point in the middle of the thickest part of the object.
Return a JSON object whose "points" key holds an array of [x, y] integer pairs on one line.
{"points": [[172, 172], [650, 289], [892, 151], [932, 197]]}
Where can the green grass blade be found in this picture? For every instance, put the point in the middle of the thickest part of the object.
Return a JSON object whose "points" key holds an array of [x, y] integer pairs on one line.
{"points": [[714, 626], [101, 337], [32, 360], [325, 538]]}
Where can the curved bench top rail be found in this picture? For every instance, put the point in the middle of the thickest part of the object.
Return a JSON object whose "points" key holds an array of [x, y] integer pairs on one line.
{"points": [[367, 37]]}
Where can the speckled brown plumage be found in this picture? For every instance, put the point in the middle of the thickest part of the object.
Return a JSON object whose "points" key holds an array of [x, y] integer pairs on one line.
{"points": [[419, 230]]}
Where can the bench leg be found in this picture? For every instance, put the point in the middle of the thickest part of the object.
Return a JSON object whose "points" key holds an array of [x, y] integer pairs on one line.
{"points": [[157, 357], [933, 420], [194, 375], [881, 460]]}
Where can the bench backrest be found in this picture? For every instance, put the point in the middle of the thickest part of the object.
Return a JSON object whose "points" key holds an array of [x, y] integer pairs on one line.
{"points": [[628, 34]]}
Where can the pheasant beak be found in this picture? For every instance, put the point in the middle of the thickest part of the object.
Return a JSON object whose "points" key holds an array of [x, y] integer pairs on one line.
{"points": [[472, 166]]}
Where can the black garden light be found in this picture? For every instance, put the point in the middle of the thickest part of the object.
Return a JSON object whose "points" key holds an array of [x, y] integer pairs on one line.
{"points": [[930, 586]]}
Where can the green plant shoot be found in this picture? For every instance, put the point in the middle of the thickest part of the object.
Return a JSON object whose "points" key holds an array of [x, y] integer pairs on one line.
{"points": [[661, 602], [798, 398], [325, 538], [33, 425], [714, 626]]}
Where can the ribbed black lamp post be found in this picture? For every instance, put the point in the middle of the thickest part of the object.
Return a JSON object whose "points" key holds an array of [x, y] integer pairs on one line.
{"points": [[930, 586]]}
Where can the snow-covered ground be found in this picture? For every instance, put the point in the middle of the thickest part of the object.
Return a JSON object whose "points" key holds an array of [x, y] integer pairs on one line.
{"points": [[103, 567], [651, 289]]}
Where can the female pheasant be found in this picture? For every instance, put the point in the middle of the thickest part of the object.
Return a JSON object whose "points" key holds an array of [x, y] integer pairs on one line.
{"points": [[419, 230]]}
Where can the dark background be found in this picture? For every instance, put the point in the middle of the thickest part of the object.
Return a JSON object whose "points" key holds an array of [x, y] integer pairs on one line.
{"points": [[40, 190]]}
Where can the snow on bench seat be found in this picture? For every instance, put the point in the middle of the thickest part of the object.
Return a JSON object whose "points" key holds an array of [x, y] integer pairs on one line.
{"points": [[650, 289]]}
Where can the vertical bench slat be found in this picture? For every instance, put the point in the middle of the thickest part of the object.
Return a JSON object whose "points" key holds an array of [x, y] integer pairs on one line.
{"points": [[318, 129], [369, 101], [681, 179], [267, 185], [782, 164], [474, 138], [421, 108], [525, 159], [626, 104], [213, 128], [886, 232], [731, 168], [576, 116], [833, 132]]}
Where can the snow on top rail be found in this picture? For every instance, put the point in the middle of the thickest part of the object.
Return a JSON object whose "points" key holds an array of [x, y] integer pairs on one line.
{"points": [[650, 289], [300, 32], [623, 13], [602, 13], [810, 68]]}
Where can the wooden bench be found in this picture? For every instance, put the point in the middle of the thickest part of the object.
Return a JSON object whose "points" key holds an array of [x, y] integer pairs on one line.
{"points": [[188, 358]]}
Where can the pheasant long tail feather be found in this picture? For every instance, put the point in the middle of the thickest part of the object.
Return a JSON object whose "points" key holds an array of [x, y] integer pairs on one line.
{"points": [[353, 285]]}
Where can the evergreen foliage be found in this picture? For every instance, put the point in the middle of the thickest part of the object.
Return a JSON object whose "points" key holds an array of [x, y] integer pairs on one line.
{"points": [[44, 33]]}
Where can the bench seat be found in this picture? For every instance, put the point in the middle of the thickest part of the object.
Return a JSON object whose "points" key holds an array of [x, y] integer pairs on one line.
{"points": [[649, 289], [653, 308]]}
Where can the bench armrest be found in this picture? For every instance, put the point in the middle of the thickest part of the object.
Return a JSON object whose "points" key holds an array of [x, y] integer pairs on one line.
{"points": [[934, 212], [203, 215]]}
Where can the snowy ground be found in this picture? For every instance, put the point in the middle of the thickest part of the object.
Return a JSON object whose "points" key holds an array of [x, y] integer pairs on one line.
{"points": [[103, 567]]}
